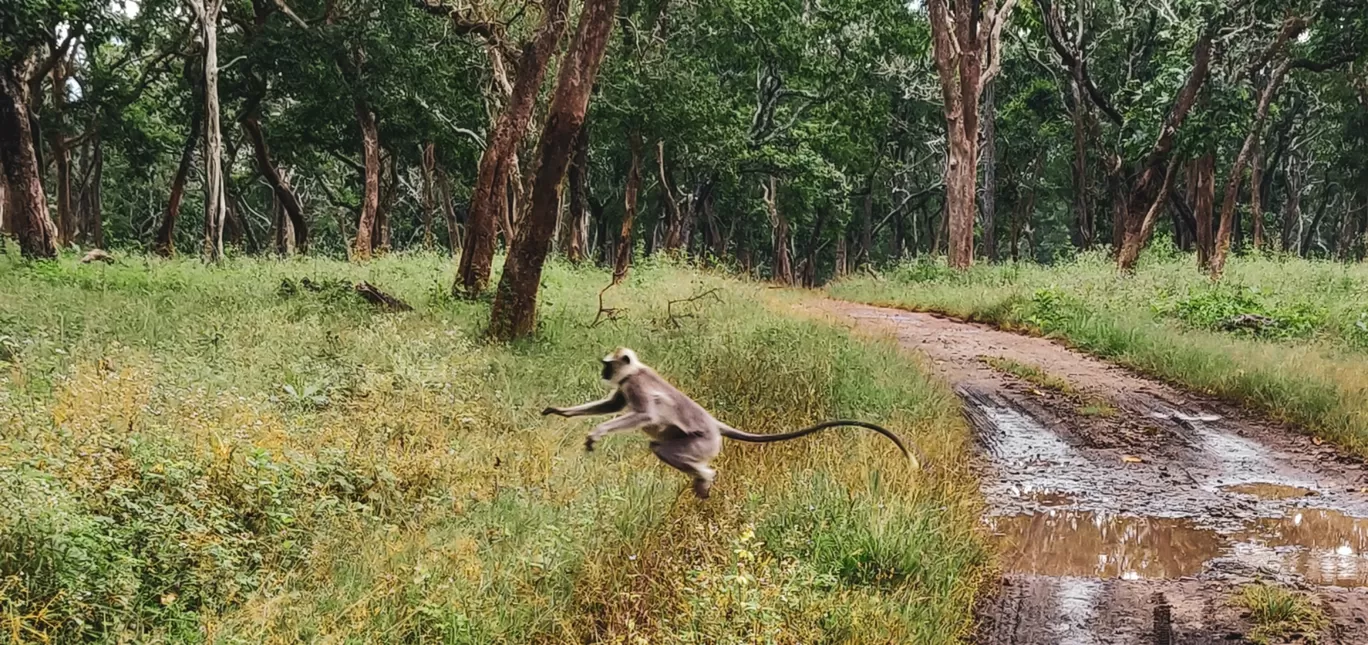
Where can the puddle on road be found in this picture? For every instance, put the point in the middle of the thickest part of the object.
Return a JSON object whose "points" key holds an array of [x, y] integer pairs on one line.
{"points": [[1081, 543], [1265, 490], [1326, 547]]}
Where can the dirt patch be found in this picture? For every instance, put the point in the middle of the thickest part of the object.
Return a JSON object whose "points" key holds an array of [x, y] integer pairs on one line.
{"points": [[1131, 511]]}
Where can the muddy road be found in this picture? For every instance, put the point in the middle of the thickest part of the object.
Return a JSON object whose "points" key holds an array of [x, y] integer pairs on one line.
{"points": [[1130, 511]]}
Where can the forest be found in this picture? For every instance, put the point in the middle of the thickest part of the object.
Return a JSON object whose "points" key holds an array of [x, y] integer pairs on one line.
{"points": [[786, 207]]}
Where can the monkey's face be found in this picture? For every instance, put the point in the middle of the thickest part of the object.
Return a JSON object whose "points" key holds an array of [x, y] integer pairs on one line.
{"points": [[619, 364]]}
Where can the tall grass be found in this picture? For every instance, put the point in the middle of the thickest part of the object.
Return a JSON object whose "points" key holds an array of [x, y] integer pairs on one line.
{"points": [[1306, 365], [200, 454]]}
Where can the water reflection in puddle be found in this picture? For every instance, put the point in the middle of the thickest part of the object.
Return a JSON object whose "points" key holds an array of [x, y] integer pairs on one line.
{"points": [[1068, 543], [1264, 490], [1326, 547]]}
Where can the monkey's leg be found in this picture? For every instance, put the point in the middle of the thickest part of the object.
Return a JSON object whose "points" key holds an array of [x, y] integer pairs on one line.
{"points": [[680, 458], [615, 403], [625, 422]]}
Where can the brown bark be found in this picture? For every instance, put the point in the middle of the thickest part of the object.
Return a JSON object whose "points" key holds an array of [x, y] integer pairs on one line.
{"points": [[989, 161], [26, 208], [515, 304], [488, 199], [1256, 195], [284, 236], [841, 255], [294, 208], [1232, 189], [429, 193], [866, 226], [1083, 216], [783, 266], [674, 224], [61, 156], [370, 199], [1202, 210], [577, 237], [207, 11], [449, 208], [967, 47], [629, 201], [1291, 214], [810, 255], [92, 198], [1156, 169], [165, 242], [1026, 207], [389, 187]]}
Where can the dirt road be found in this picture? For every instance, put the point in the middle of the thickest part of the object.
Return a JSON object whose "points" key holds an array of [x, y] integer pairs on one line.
{"points": [[1131, 511]]}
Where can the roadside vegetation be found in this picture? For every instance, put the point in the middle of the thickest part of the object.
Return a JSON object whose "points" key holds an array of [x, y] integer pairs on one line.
{"points": [[1283, 335], [1280, 614], [217, 454]]}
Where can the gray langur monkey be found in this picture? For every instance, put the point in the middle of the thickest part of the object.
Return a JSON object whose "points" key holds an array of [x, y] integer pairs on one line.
{"points": [[683, 434]]}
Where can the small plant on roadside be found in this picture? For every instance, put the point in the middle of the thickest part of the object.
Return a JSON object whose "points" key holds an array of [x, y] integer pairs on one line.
{"points": [[1278, 612]]}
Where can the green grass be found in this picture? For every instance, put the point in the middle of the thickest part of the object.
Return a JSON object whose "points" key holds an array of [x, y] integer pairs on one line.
{"points": [[1166, 321], [1278, 612], [194, 454]]}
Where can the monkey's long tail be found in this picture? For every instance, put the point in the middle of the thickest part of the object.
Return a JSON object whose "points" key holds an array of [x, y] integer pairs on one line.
{"points": [[733, 433]]}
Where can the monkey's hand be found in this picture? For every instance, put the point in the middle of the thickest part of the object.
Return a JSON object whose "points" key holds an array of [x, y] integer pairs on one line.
{"points": [[589, 442]]}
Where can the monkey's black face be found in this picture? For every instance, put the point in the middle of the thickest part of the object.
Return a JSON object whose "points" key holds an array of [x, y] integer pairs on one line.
{"points": [[607, 370]]}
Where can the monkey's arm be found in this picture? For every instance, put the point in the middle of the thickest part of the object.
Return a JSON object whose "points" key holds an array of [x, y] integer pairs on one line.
{"points": [[625, 422], [614, 403]]}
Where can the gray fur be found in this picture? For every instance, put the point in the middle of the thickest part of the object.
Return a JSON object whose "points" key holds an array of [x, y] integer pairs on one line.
{"points": [[683, 434]]}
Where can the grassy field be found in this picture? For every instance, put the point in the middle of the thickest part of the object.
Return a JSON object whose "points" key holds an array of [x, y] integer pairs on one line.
{"points": [[1302, 359], [221, 454]]}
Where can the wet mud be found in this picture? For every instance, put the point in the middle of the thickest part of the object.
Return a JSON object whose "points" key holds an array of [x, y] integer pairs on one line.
{"points": [[1138, 525]]}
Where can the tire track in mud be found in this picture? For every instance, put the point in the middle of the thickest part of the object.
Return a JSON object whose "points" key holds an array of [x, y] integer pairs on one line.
{"points": [[1129, 511]]}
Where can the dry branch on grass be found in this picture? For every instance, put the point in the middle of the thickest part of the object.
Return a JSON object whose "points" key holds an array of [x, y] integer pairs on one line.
{"points": [[672, 319], [379, 298], [606, 314]]}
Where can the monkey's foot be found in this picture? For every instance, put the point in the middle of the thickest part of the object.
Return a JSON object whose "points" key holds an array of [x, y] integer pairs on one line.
{"points": [[589, 443], [701, 488]]}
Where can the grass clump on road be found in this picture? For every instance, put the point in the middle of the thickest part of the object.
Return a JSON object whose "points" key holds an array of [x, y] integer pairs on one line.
{"points": [[197, 454], [1283, 335], [1278, 612]]}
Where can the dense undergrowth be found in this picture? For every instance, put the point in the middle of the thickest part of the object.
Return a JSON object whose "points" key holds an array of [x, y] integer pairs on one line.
{"points": [[1285, 335], [194, 453]]}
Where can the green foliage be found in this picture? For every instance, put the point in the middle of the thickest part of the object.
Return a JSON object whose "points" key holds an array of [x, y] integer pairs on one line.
{"points": [[1278, 612]]}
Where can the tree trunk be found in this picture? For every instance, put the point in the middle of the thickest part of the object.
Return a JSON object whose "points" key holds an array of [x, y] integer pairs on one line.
{"points": [[967, 52], [1232, 189], [515, 304], [1256, 196], [1083, 216], [284, 237], [92, 197], [629, 201], [66, 215], [1291, 214], [449, 208], [214, 214], [810, 255], [674, 222], [165, 242], [294, 208], [488, 200], [370, 200], [783, 267], [1156, 170], [26, 208], [429, 193], [389, 187], [1206, 196], [578, 236], [989, 161], [841, 255], [866, 226], [1326, 193]]}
